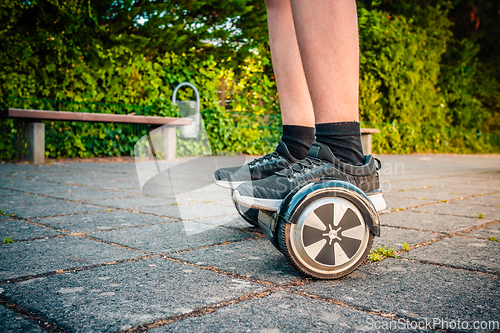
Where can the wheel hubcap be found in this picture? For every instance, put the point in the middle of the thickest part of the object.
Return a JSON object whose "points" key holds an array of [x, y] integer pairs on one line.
{"points": [[329, 235]]}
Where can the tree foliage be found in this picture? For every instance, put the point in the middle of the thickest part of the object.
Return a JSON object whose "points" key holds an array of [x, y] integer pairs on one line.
{"points": [[428, 74]]}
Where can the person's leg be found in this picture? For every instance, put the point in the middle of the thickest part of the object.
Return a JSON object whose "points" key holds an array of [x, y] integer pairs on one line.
{"points": [[296, 106], [327, 34]]}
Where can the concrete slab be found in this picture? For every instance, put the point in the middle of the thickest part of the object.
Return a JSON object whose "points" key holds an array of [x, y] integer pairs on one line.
{"points": [[395, 202], [485, 200], [172, 237], [12, 322], [395, 237], [231, 221], [416, 290], [5, 192], [463, 208], [475, 254], [285, 312], [135, 202], [19, 230], [193, 211], [433, 222], [26, 200], [62, 208], [50, 255], [101, 221], [438, 193], [92, 195], [489, 231], [121, 296], [256, 258]]}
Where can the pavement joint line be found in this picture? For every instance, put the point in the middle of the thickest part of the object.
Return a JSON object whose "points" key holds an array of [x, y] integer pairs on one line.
{"points": [[32, 316], [392, 316], [109, 243], [219, 271], [88, 204], [435, 240], [200, 311], [449, 266], [37, 238], [72, 270], [395, 210], [127, 227], [212, 245], [482, 226], [211, 308], [412, 229]]}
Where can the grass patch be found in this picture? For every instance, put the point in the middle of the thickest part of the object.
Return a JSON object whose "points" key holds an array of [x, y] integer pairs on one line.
{"points": [[7, 240], [381, 253]]}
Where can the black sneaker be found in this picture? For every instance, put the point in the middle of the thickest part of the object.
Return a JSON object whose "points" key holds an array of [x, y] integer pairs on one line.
{"points": [[269, 193], [259, 168]]}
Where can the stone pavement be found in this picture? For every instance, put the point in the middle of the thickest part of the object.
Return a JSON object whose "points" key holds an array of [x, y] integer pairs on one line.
{"points": [[90, 253]]}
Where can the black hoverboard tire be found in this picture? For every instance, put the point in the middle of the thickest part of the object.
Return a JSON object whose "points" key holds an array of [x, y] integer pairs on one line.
{"points": [[328, 237], [250, 215]]}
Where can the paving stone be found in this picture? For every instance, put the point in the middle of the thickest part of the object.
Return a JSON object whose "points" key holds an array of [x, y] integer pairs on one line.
{"points": [[416, 290], [256, 258], [110, 185], [485, 200], [12, 322], [136, 202], [53, 254], [232, 221], [121, 296], [280, 312], [476, 254], [437, 193], [395, 202], [92, 195], [172, 237], [4, 192], [26, 200], [395, 237], [101, 221], [433, 222], [18, 230], [42, 187], [463, 208], [193, 211], [489, 231], [62, 208]]}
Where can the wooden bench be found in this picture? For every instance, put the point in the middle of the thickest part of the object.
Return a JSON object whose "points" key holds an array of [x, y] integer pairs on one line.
{"points": [[366, 139], [35, 128]]}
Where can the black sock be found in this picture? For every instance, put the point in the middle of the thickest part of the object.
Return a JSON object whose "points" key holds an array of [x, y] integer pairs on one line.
{"points": [[298, 140], [343, 139]]}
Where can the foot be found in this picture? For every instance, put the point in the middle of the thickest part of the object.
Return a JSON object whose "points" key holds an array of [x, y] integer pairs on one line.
{"points": [[268, 194], [258, 169]]}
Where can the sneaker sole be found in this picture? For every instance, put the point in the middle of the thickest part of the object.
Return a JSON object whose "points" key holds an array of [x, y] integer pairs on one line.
{"points": [[273, 204], [226, 184]]}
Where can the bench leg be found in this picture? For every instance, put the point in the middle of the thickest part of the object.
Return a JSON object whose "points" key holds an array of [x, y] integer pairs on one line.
{"points": [[366, 142], [35, 140], [169, 142]]}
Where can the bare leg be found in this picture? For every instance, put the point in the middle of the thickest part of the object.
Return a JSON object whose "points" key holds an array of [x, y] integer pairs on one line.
{"points": [[327, 34], [295, 101]]}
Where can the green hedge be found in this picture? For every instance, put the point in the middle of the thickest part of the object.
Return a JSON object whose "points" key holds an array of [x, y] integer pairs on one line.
{"points": [[420, 84]]}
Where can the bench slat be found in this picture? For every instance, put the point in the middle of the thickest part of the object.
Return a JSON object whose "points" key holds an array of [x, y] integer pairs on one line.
{"points": [[93, 117], [369, 130]]}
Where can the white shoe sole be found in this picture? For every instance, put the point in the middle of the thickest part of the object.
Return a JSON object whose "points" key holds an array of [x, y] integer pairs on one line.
{"points": [[226, 184], [273, 204]]}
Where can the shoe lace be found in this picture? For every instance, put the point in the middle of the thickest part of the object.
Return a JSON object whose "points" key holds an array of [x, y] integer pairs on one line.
{"points": [[300, 167], [265, 158]]}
